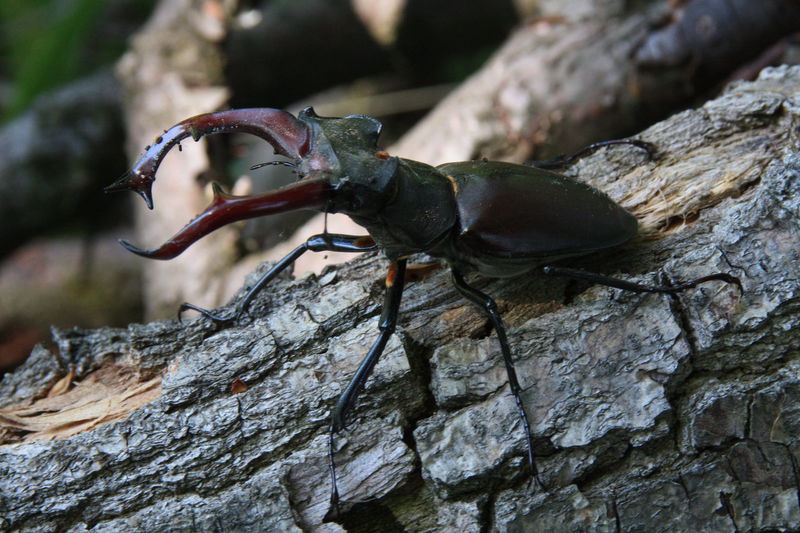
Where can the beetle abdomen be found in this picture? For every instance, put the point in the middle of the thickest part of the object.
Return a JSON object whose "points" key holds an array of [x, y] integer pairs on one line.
{"points": [[515, 212]]}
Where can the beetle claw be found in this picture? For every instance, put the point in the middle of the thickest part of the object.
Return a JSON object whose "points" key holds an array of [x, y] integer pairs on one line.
{"points": [[217, 319], [138, 251], [287, 135], [134, 181]]}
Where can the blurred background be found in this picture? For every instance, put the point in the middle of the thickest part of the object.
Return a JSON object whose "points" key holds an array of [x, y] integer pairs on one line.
{"points": [[86, 84]]}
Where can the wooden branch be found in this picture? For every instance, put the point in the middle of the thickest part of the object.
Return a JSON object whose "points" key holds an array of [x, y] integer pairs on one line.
{"points": [[649, 413], [589, 71], [558, 83]]}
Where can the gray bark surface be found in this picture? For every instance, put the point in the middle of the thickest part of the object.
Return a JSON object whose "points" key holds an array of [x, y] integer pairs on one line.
{"points": [[648, 413]]}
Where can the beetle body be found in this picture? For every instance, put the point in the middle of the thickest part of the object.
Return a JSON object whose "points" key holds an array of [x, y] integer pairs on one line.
{"points": [[498, 219], [511, 218]]}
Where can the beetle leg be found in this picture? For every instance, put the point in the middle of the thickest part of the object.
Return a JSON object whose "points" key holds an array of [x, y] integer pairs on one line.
{"points": [[395, 280], [490, 307], [325, 242], [563, 160], [591, 277]]}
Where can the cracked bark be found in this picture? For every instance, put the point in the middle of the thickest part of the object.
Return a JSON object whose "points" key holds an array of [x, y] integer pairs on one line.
{"points": [[632, 400]]}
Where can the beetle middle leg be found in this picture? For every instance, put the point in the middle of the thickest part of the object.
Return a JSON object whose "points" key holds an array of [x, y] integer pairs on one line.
{"points": [[490, 307], [324, 242], [395, 281]]}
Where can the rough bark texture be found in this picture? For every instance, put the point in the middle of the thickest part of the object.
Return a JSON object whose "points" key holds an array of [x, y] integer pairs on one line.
{"points": [[649, 413], [564, 80]]}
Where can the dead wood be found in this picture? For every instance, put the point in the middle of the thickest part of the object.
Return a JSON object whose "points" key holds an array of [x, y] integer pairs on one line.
{"points": [[649, 413]]}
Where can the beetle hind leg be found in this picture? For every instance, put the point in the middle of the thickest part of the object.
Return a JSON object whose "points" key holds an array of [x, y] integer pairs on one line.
{"points": [[563, 161], [489, 306], [574, 273]]}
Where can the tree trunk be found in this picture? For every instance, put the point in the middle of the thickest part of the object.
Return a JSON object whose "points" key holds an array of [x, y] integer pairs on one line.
{"points": [[649, 413], [172, 71]]}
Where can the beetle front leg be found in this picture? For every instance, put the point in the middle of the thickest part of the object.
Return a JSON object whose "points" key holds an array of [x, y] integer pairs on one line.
{"points": [[324, 242], [395, 280], [486, 303]]}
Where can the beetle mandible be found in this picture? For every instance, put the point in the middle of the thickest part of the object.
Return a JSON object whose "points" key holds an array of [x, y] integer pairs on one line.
{"points": [[497, 219]]}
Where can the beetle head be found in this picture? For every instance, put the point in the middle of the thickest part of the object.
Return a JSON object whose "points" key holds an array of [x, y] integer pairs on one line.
{"points": [[344, 151], [337, 160]]}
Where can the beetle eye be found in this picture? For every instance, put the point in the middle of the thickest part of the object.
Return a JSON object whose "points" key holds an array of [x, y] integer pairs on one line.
{"points": [[355, 203]]}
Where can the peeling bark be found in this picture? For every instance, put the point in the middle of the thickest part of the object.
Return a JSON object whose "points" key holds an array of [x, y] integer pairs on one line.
{"points": [[649, 413]]}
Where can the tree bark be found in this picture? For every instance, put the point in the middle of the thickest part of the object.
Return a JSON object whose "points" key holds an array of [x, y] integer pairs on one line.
{"points": [[649, 413], [582, 72], [173, 70]]}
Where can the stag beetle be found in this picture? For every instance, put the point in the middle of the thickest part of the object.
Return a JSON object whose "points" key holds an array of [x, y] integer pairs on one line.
{"points": [[497, 219]]}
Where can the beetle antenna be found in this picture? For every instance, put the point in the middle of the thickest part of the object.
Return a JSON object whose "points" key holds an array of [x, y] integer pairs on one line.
{"points": [[268, 163]]}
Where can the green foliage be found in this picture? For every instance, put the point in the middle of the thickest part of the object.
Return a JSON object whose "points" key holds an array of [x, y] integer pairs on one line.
{"points": [[458, 67], [49, 42]]}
